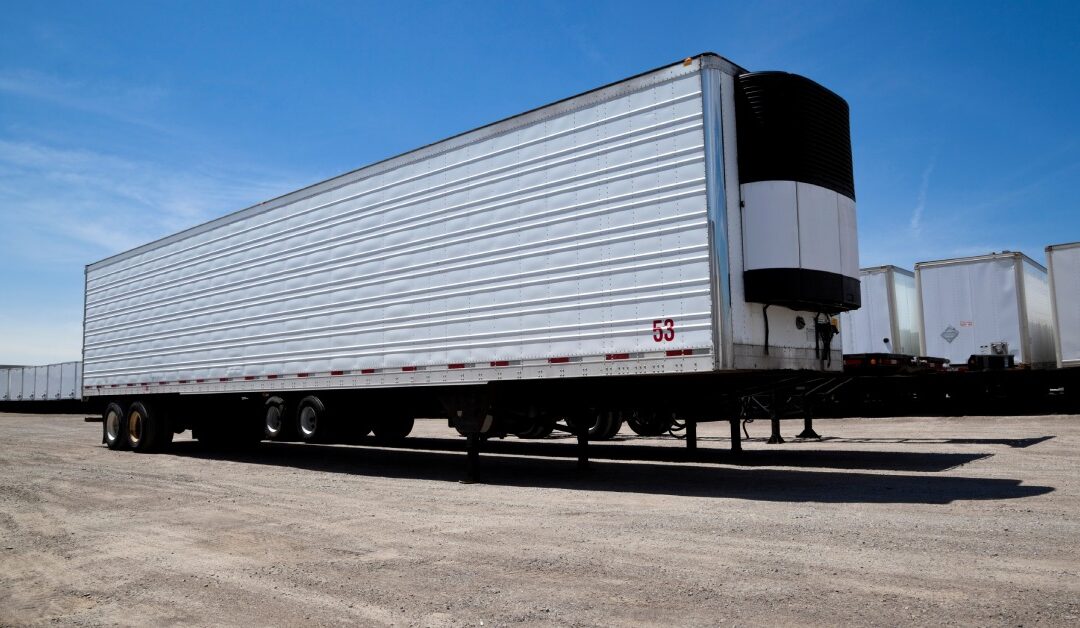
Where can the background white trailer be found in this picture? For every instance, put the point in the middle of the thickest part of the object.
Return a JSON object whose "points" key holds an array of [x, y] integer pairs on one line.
{"points": [[27, 392], [71, 380], [1063, 261], [968, 304], [613, 233], [51, 382], [888, 319], [54, 383], [15, 383], [41, 383]]}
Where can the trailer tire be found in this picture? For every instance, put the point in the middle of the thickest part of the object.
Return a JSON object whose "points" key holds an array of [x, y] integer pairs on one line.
{"points": [[393, 429], [313, 423], [147, 429], [541, 428], [276, 423], [112, 427], [649, 423], [602, 424], [607, 426]]}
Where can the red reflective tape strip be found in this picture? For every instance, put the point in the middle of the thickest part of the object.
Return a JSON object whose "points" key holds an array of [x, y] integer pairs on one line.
{"points": [[183, 381], [457, 366], [302, 374], [367, 371], [408, 369], [617, 356], [223, 379], [337, 372], [114, 385], [674, 352], [199, 381], [558, 360], [248, 378], [271, 377], [501, 363]]}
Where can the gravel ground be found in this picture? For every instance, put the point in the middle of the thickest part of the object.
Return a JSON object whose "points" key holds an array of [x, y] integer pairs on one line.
{"points": [[968, 521]]}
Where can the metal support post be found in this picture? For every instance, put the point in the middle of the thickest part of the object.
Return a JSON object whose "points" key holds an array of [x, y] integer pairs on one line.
{"points": [[808, 427], [583, 450], [776, 438], [472, 459], [736, 437]]}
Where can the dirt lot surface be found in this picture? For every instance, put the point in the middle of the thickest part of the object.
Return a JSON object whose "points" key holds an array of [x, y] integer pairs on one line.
{"points": [[970, 521]]}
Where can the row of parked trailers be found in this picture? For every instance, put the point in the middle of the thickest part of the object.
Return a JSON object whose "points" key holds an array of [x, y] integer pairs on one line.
{"points": [[54, 382], [1001, 304]]}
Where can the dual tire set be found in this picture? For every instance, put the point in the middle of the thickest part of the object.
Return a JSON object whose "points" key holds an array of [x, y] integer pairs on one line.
{"points": [[139, 427], [312, 422]]}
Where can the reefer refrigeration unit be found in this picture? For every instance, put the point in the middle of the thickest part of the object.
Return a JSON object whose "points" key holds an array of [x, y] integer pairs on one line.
{"points": [[1063, 261], [888, 320], [984, 304], [695, 218]]}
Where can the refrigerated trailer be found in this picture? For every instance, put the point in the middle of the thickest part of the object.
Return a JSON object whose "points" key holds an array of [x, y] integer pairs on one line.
{"points": [[986, 305], [887, 321], [1063, 261], [618, 252]]}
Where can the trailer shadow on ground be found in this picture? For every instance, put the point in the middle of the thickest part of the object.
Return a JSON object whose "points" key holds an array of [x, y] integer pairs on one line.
{"points": [[687, 479], [1018, 443], [714, 451]]}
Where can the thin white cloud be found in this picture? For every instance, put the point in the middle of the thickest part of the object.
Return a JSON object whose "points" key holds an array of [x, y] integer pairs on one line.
{"points": [[69, 204], [130, 104], [920, 203]]}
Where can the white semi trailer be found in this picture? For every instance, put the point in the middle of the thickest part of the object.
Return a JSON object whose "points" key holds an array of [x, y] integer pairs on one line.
{"points": [[888, 320], [1063, 261], [52, 382], [612, 254], [991, 304]]}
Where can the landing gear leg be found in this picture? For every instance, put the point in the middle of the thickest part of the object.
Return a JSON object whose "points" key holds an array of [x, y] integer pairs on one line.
{"points": [[736, 436], [472, 459], [691, 435], [582, 450], [808, 427]]}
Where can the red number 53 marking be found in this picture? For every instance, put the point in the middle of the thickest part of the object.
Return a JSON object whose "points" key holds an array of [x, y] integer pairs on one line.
{"points": [[663, 330]]}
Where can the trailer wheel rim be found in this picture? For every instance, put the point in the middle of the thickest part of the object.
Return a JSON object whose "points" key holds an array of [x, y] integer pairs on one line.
{"points": [[273, 420], [309, 421], [135, 428], [112, 426]]}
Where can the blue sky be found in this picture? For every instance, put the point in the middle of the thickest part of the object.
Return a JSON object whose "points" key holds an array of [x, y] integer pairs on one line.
{"points": [[123, 122]]}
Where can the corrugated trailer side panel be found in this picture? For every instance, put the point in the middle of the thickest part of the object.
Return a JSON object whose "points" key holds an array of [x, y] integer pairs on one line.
{"points": [[5, 388], [70, 384], [1038, 317], [1063, 261], [27, 393], [568, 234], [41, 383], [15, 384], [55, 384]]}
